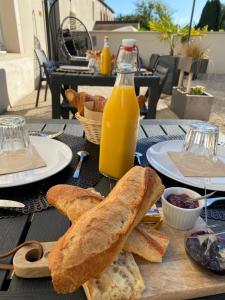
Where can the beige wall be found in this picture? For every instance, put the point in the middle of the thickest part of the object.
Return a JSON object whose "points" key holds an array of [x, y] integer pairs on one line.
{"points": [[88, 11], [16, 79], [9, 19], [149, 43], [38, 20]]}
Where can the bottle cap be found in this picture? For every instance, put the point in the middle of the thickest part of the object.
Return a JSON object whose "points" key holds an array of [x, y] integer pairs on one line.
{"points": [[128, 42]]}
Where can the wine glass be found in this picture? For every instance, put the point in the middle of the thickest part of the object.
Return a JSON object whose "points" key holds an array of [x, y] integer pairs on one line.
{"points": [[202, 139]]}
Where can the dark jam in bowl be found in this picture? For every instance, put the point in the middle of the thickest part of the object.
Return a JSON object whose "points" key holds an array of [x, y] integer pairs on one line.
{"points": [[180, 200]]}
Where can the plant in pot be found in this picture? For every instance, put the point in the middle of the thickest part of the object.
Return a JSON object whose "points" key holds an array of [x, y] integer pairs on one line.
{"points": [[194, 103], [173, 34], [194, 58]]}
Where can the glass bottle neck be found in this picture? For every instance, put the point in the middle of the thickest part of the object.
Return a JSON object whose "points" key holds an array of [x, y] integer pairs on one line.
{"points": [[124, 79]]}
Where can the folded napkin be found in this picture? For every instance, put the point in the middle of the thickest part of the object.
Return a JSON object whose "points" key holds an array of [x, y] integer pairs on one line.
{"points": [[20, 160], [193, 165]]}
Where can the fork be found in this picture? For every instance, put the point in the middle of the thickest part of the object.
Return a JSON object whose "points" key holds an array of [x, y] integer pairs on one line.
{"points": [[50, 135]]}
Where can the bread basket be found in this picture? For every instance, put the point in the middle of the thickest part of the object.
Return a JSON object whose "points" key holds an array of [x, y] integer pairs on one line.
{"points": [[91, 128]]}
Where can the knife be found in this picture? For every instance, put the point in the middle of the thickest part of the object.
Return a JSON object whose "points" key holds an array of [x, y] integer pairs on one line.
{"points": [[10, 203], [210, 201]]}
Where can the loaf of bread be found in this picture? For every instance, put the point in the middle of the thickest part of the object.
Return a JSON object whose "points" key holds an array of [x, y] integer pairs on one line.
{"points": [[74, 201], [78, 100], [147, 242], [99, 103], [141, 100], [99, 235], [122, 280]]}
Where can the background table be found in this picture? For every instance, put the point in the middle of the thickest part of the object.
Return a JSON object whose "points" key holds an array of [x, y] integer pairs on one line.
{"points": [[57, 79], [49, 225]]}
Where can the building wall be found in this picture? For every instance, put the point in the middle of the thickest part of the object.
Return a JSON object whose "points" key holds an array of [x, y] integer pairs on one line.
{"points": [[16, 79], [10, 26], [21, 20], [88, 11], [149, 43]]}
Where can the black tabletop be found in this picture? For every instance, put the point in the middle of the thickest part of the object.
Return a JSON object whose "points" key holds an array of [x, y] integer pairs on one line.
{"points": [[49, 225]]}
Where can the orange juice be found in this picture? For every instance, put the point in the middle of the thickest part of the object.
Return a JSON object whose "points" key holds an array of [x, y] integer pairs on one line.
{"points": [[119, 132], [105, 67]]}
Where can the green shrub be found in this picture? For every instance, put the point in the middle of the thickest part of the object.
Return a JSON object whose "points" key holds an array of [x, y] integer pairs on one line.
{"points": [[197, 90]]}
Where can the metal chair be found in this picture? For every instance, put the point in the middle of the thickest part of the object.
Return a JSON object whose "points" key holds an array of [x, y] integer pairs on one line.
{"points": [[73, 39], [162, 73], [42, 59]]}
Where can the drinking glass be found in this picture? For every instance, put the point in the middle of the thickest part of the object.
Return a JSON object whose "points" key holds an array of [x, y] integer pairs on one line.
{"points": [[13, 135], [92, 62], [202, 139]]}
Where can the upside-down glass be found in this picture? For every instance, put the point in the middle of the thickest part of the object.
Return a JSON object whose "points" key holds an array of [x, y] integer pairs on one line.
{"points": [[13, 135], [202, 139]]}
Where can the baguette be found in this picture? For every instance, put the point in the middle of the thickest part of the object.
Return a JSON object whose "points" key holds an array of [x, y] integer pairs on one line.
{"points": [[74, 201], [147, 242], [98, 236], [122, 280]]}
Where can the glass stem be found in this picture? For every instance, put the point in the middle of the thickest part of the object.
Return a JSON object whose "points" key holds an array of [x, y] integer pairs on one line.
{"points": [[206, 212]]}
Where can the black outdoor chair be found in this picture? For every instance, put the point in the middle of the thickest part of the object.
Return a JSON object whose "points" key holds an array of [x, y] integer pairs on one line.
{"points": [[153, 61], [42, 59], [162, 73], [73, 39]]}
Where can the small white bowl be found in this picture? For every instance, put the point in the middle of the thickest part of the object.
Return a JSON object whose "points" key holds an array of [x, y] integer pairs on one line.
{"points": [[177, 217]]}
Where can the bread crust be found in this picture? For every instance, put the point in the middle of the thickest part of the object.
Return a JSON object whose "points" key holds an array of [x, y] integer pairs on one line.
{"points": [[98, 236], [72, 201]]}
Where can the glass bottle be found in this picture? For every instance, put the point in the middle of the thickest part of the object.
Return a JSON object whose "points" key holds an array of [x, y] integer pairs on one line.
{"points": [[119, 124], [105, 58]]}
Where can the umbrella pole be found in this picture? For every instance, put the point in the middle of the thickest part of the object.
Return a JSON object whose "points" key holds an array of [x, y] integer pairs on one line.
{"points": [[192, 15]]}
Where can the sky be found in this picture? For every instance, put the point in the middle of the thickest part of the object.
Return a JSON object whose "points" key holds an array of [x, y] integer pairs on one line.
{"points": [[181, 8]]}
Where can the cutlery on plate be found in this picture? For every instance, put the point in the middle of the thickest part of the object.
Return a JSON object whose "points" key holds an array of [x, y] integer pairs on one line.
{"points": [[50, 135], [210, 201], [138, 156], [83, 154], [10, 203]]}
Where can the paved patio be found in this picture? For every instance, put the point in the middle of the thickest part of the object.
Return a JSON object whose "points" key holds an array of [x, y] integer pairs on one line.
{"points": [[215, 84]]}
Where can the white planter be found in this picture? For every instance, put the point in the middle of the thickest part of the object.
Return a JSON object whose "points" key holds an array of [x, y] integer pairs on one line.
{"points": [[197, 107]]}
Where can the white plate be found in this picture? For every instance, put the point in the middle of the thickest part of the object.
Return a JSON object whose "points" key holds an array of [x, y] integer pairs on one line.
{"points": [[56, 156], [75, 68], [157, 157]]}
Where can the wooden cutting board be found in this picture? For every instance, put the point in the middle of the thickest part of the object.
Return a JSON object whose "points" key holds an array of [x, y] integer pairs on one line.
{"points": [[174, 279]]}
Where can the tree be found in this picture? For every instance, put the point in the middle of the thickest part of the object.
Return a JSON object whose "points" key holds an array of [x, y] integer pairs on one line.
{"points": [[211, 15], [144, 11], [222, 17], [147, 10], [172, 33]]}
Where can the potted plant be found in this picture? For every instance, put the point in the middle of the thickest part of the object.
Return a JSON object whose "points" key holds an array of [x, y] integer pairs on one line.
{"points": [[173, 34], [194, 58], [193, 104]]}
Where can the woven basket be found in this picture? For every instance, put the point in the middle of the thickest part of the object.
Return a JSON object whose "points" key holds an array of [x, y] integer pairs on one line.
{"points": [[91, 128]]}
